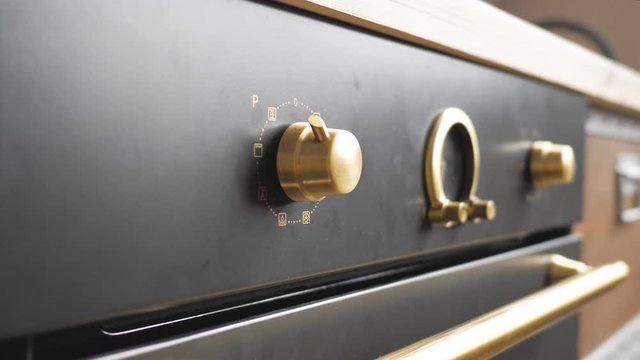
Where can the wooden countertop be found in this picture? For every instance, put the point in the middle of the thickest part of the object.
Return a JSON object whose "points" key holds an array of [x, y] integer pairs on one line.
{"points": [[479, 32]]}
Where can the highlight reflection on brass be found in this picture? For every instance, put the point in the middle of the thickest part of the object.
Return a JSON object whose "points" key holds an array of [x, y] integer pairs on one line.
{"points": [[314, 161], [494, 332], [442, 210]]}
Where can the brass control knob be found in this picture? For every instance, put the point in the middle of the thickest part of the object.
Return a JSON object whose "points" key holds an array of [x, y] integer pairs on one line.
{"points": [[442, 210], [551, 164], [314, 161], [449, 214], [481, 209]]}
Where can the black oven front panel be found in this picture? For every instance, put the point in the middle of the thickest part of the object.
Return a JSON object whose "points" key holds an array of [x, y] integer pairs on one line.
{"points": [[139, 141]]}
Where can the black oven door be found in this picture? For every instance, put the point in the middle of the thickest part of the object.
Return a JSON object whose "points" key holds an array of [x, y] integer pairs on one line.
{"points": [[374, 322]]}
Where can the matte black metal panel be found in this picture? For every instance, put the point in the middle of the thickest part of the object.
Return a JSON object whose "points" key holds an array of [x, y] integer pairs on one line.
{"points": [[371, 323], [127, 176]]}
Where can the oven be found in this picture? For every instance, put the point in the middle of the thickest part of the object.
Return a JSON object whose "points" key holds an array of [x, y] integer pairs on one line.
{"points": [[240, 179]]}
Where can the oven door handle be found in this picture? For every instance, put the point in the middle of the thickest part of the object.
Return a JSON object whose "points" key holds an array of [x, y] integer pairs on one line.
{"points": [[574, 284]]}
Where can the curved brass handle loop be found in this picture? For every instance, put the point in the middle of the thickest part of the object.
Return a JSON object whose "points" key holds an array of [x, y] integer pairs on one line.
{"points": [[492, 333], [442, 210]]}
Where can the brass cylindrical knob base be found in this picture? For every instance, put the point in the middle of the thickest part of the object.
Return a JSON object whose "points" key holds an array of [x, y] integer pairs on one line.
{"points": [[551, 164], [482, 209], [449, 214], [314, 161]]}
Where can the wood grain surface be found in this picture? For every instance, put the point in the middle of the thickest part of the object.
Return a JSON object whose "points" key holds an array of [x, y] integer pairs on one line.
{"points": [[477, 31], [607, 240]]}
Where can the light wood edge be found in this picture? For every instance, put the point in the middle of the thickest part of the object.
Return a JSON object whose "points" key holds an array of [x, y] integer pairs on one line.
{"points": [[479, 32]]}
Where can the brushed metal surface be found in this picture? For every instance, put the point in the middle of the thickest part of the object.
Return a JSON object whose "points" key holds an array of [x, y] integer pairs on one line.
{"points": [[127, 176]]}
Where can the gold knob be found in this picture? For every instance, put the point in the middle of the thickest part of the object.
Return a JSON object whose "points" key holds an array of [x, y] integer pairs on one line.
{"points": [[449, 214], [314, 161], [481, 209], [442, 210], [551, 164]]}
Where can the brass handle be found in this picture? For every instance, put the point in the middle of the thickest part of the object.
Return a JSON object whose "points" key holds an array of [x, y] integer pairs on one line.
{"points": [[498, 330], [442, 210]]}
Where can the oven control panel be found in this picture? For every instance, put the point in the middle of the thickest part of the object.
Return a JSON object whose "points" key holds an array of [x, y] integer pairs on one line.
{"points": [[202, 149]]}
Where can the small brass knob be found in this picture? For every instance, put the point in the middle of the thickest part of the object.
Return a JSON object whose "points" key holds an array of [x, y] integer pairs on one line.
{"points": [[481, 209], [551, 164], [449, 214], [314, 161]]}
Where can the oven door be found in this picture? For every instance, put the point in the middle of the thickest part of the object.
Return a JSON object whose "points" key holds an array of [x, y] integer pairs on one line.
{"points": [[383, 319]]}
